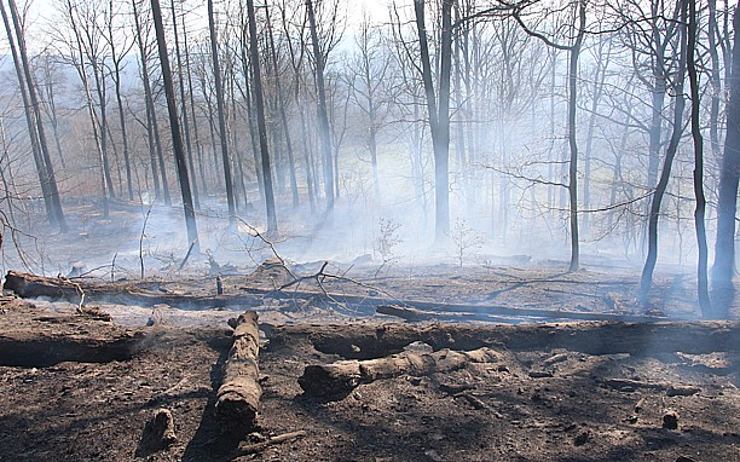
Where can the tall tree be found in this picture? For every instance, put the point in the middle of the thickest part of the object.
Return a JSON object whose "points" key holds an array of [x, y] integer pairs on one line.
{"points": [[283, 112], [183, 101], [574, 52], [371, 69], [323, 113], [272, 224], [30, 122], [220, 112], [55, 199], [723, 270], [177, 146], [665, 175], [78, 60], [155, 142], [701, 201], [117, 57], [438, 109], [49, 90], [194, 118]]}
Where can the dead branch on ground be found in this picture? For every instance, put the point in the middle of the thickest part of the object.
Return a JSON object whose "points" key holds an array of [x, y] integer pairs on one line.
{"points": [[337, 380], [255, 448]]}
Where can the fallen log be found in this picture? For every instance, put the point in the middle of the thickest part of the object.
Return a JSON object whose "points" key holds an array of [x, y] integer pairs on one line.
{"points": [[363, 303], [373, 340], [238, 398], [31, 286], [410, 314], [338, 379], [45, 340]]}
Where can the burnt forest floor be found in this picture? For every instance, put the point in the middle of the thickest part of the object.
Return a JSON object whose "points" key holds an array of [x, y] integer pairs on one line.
{"points": [[73, 389], [528, 405]]}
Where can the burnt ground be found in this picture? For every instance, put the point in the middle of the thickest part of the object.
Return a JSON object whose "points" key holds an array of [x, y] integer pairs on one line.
{"points": [[73, 388], [523, 407]]}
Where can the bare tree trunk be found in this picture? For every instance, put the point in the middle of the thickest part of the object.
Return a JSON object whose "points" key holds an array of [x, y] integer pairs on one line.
{"points": [[460, 103], [51, 102], [198, 146], [239, 167], [723, 288], [152, 153], [656, 128], [183, 101], [323, 114], [716, 84], [254, 138], [247, 95], [119, 99], [100, 89], [602, 65], [307, 160], [124, 135], [439, 117], [701, 201], [151, 110], [552, 153], [660, 190], [283, 115], [177, 147], [30, 122], [80, 67], [56, 202], [211, 124], [221, 119], [575, 52], [272, 225]]}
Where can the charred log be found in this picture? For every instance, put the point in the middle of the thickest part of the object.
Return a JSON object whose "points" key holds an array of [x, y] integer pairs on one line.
{"points": [[238, 398], [337, 380], [41, 349], [410, 314]]}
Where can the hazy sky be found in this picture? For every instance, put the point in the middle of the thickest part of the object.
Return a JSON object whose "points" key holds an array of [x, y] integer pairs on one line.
{"points": [[376, 8], [43, 11]]}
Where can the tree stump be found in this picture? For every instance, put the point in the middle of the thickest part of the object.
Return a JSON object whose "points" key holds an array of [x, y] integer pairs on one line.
{"points": [[159, 432]]}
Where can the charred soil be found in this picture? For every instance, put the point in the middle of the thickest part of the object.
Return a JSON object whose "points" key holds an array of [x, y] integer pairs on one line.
{"points": [[86, 389]]}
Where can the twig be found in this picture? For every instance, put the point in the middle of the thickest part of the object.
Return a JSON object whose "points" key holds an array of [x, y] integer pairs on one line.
{"points": [[80, 292], [317, 276], [113, 268], [259, 447], [141, 242], [89, 272], [262, 238], [187, 255]]}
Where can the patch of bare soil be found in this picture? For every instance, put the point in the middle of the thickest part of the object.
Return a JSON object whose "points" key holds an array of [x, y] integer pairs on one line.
{"points": [[534, 404]]}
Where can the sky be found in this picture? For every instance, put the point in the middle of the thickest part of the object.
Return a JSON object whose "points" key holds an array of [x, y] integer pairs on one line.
{"points": [[41, 12], [376, 8]]}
